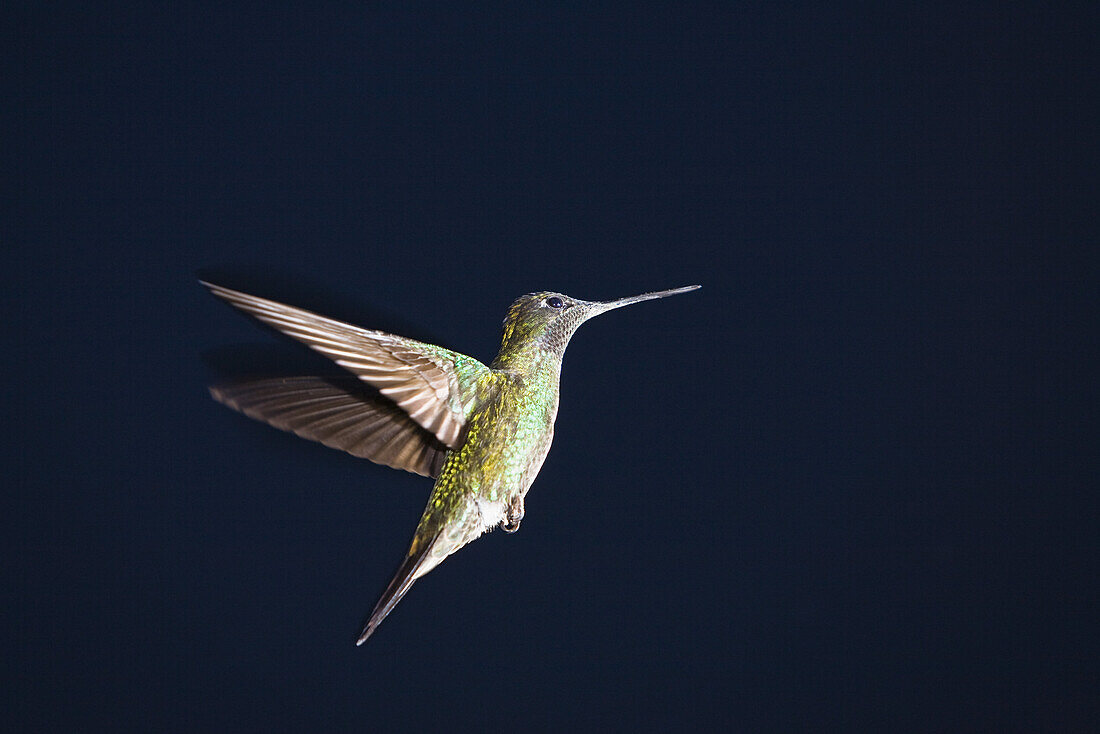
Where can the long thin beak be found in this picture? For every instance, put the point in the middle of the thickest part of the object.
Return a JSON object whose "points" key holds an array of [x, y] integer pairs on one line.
{"points": [[599, 307]]}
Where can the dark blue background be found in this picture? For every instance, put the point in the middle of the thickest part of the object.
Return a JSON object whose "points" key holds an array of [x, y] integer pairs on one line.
{"points": [[849, 485]]}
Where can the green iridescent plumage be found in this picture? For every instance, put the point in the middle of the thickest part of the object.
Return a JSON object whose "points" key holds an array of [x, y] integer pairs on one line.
{"points": [[482, 432]]}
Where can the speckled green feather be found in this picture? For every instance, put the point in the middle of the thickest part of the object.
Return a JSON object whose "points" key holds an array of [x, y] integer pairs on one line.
{"points": [[483, 432]]}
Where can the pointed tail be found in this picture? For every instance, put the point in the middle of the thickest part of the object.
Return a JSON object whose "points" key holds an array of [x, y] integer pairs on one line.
{"points": [[399, 586]]}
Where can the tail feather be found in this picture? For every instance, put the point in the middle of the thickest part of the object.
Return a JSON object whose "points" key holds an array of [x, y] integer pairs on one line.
{"points": [[402, 581]]}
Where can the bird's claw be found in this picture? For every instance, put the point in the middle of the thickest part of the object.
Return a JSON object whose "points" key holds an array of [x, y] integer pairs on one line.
{"points": [[513, 516]]}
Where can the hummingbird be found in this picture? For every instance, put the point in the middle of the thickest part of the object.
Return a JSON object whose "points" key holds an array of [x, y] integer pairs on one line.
{"points": [[482, 432]]}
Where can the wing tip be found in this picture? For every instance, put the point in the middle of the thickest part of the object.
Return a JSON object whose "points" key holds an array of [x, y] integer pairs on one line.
{"points": [[228, 294], [213, 287], [219, 396]]}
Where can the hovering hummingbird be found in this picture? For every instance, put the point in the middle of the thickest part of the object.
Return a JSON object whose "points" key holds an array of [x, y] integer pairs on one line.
{"points": [[481, 432]]}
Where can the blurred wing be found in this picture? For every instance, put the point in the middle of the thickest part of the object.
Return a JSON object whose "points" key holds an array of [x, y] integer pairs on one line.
{"points": [[339, 413], [434, 386]]}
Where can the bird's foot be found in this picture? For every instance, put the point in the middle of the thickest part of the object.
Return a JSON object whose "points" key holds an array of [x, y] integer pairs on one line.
{"points": [[513, 515]]}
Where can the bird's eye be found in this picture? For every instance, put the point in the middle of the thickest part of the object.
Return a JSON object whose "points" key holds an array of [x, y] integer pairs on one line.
{"points": [[554, 302]]}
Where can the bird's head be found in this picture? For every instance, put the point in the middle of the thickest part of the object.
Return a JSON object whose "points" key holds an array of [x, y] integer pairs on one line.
{"points": [[547, 320]]}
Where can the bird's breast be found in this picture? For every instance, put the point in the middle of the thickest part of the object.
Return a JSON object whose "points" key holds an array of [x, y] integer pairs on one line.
{"points": [[506, 443]]}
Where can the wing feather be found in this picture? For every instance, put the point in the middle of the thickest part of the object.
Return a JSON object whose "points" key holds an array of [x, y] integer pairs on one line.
{"points": [[433, 385], [339, 413]]}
